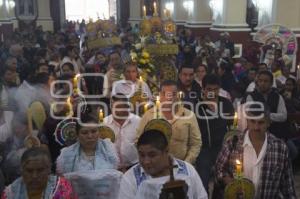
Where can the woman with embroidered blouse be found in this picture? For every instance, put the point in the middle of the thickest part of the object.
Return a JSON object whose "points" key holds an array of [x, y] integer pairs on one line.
{"points": [[89, 152], [36, 182]]}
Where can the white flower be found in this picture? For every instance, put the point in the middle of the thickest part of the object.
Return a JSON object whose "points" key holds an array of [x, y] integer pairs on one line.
{"points": [[138, 46]]}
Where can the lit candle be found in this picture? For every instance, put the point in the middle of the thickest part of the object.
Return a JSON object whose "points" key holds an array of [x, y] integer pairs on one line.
{"points": [[144, 11], [180, 95], [75, 80], [70, 106], [140, 83], [101, 116], [145, 108], [157, 106], [155, 8], [165, 12], [238, 167], [235, 120]]}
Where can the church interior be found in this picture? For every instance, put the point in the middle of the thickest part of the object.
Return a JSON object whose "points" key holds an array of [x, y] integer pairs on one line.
{"points": [[146, 99]]}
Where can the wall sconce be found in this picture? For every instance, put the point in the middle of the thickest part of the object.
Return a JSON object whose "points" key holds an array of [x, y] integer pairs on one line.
{"points": [[189, 6]]}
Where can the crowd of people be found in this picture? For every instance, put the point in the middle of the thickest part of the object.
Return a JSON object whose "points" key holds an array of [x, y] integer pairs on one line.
{"points": [[42, 66]]}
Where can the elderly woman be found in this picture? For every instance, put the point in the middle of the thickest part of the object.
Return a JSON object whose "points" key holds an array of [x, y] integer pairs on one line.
{"points": [[36, 181], [89, 152]]}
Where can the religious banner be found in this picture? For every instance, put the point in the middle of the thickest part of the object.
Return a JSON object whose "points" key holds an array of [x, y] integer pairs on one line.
{"points": [[276, 36], [97, 184]]}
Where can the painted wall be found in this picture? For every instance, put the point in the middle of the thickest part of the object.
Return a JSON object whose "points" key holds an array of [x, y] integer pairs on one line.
{"points": [[288, 13]]}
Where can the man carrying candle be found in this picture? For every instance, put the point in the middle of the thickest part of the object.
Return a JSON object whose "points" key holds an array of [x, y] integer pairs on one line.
{"points": [[185, 142], [124, 124], [264, 159], [131, 84]]}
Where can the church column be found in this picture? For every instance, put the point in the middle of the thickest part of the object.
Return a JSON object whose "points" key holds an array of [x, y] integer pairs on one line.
{"points": [[123, 11], [4, 12], [180, 12], [6, 24], [62, 12], [10, 4], [230, 16], [200, 17], [135, 12], [44, 17]]}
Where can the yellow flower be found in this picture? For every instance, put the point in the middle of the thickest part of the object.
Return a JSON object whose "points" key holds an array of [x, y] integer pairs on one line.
{"points": [[142, 61], [145, 55]]}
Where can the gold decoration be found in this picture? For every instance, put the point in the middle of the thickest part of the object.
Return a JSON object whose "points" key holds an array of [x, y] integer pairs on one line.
{"points": [[170, 27], [161, 125], [38, 114], [107, 132], [156, 24], [103, 42], [162, 49], [167, 69], [240, 188], [145, 27]]}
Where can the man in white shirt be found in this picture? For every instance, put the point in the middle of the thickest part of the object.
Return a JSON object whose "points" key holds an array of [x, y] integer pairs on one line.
{"points": [[113, 72], [124, 124], [154, 168], [265, 158], [131, 83]]}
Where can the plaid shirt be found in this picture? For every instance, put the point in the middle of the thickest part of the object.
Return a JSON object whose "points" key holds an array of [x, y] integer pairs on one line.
{"points": [[276, 180]]}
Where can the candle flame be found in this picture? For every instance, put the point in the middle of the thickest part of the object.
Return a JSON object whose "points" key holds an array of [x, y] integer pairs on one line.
{"points": [[141, 78], [157, 98], [235, 115], [238, 162]]}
